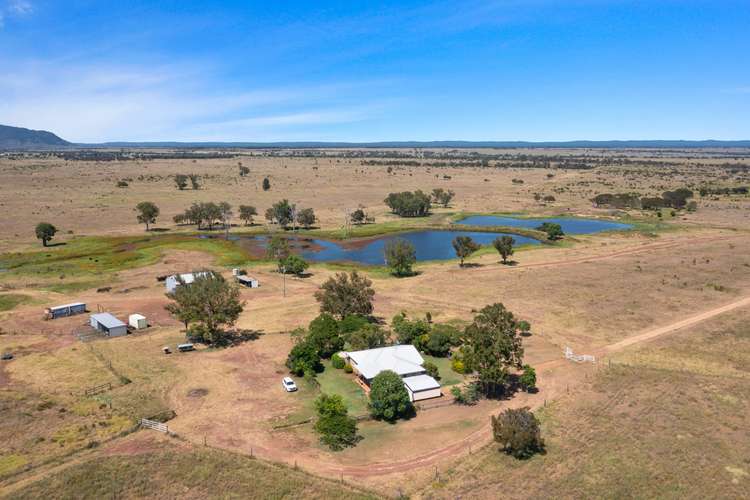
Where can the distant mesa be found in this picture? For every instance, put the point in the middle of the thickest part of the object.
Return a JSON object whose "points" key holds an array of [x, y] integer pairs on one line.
{"points": [[24, 138]]}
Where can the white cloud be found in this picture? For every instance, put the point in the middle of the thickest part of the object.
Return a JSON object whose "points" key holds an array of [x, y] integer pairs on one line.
{"points": [[14, 8], [90, 103]]}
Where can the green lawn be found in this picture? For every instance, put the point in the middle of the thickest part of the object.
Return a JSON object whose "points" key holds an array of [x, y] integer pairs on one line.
{"points": [[447, 375], [333, 381]]}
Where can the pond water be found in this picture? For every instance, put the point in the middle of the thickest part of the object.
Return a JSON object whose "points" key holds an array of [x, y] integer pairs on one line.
{"points": [[429, 245], [569, 226]]}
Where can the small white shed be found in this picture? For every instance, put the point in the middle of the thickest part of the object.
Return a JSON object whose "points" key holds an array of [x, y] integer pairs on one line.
{"points": [[137, 321], [247, 281], [422, 387]]}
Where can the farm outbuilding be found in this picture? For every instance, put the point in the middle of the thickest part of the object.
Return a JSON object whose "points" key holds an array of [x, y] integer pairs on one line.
{"points": [[108, 324], [247, 281], [137, 321], [422, 387], [65, 310], [172, 282]]}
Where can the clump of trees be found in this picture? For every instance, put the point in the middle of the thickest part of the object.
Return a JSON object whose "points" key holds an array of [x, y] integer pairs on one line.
{"points": [[409, 204], [336, 428], [244, 171], [147, 213], [442, 196], [343, 295], [388, 397], [554, 231], [676, 199], [284, 214], [205, 214], [464, 247], [400, 256], [247, 212], [504, 246], [45, 231], [206, 306], [359, 216], [518, 432], [434, 339], [181, 181]]}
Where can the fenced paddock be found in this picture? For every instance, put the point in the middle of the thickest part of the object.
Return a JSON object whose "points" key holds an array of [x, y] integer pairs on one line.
{"points": [[98, 389]]}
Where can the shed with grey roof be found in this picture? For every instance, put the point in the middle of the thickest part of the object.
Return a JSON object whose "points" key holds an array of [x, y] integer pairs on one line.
{"points": [[108, 324]]}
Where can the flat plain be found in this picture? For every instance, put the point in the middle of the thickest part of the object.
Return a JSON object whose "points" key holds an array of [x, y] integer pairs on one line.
{"points": [[663, 402]]}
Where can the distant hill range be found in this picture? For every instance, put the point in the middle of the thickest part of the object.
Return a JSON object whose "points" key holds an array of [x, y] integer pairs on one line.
{"points": [[24, 138], [12, 138]]}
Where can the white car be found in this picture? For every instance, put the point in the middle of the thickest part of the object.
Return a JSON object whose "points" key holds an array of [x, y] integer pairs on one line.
{"points": [[288, 384]]}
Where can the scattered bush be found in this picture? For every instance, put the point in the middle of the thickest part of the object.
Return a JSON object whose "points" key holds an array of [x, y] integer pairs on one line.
{"points": [[338, 362], [528, 378], [518, 432], [468, 396], [432, 370]]}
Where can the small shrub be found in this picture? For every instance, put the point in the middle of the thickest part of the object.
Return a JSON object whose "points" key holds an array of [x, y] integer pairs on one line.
{"points": [[432, 370], [468, 396], [348, 368], [338, 362], [458, 366], [528, 378], [122, 184]]}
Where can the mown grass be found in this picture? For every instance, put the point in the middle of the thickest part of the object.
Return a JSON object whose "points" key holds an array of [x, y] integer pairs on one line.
{"points": [[447, 376], [172, 473], [333, 381], [655, 424]]}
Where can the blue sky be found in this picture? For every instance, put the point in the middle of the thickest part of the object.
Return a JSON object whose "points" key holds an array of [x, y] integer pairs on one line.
{"points": [[369, 71]]}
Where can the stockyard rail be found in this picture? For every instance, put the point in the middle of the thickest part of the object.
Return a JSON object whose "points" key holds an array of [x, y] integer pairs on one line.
{"points": [[153, 424], [98, 389]]}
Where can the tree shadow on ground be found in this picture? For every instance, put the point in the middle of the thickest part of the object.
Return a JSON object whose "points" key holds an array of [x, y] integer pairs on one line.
{"points": [[58, 244], [238, 337], [510, 263], [471, 265], [159, 230]]}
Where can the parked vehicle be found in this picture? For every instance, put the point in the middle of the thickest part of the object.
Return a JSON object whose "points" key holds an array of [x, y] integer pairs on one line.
{"points": [[185, 347], [6, 356], [288, 384]]}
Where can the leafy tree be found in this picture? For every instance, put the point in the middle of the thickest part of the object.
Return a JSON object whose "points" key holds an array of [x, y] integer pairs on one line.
{"points": [[388, 397], [278, 249], [352, 323], [504, 246], [281, 212], [554, 231], [464, 247], [181, 181], [195, 181], [358, 216], [45, 232], [306, 217], [441, 339], [246, 214], [210, 301], [528, 378], [442, 196], [409, 204], [337, 362], [344, 294], [518, 431], [304, 358], [492, 345], [400, 255], [293, 264], [336, 428], [324, 334], [225, 209], [243, 170], [266, 184], [368, 336], [408, 331], [432, 370], [147, 213]]}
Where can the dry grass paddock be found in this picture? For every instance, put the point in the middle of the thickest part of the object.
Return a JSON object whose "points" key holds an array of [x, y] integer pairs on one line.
{"points": [[589, 293]]}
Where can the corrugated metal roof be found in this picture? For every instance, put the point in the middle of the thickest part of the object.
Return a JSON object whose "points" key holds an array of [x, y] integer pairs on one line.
{"points": [[421, 383], [402, 359], [107, 320]]}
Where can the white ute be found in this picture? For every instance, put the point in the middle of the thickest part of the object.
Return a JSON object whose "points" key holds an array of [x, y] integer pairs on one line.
{"points": [[289, 385]]}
